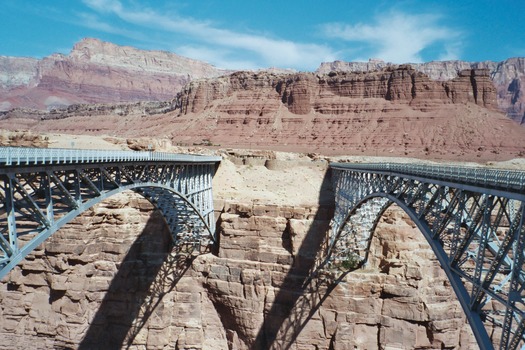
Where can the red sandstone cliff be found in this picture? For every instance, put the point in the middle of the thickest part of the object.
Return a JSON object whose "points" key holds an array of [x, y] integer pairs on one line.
{"points": [[96, 72], [396, 111], [507, 76], [100, 72], [335, 93]]}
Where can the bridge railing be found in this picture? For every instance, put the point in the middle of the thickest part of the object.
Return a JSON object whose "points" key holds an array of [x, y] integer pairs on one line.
{"points": [[20, 155], [499, 178]]}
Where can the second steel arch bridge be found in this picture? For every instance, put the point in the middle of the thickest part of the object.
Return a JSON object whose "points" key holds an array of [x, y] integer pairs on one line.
{"points": [[473, 219]]}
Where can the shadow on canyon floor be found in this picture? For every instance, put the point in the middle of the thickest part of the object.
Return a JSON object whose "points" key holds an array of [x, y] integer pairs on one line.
{"points": [[300, 294], [151, 269]]}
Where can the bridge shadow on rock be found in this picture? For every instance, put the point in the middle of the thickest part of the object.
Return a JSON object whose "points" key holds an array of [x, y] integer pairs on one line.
{"points": [[302, 292], [150, 270]]}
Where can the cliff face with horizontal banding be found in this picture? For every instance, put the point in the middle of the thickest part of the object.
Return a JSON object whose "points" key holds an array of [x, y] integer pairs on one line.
{"points": [[508, 77], [101, 72], [396, 111], [96, 72], [333, 93]]}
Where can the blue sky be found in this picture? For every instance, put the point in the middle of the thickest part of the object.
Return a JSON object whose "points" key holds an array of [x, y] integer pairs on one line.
{"points": [[250, 34]]}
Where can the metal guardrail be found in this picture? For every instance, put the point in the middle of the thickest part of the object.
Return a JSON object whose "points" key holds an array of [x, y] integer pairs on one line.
{"points": [[25, 156], [499, 178]]}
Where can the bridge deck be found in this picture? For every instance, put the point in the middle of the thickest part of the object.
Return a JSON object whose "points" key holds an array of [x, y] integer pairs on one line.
{"points": [[480, 177], [14, 156], [43, 189]]}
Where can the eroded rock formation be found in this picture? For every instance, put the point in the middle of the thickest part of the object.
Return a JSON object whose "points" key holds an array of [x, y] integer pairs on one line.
{"points": [[396, 111], [392, 112], [507, 77], [101, 72], [96, 72], [335, 93]]}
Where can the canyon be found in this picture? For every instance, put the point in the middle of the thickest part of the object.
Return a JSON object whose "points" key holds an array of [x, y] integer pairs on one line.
{"points": [[120, 284], [111, 278]]}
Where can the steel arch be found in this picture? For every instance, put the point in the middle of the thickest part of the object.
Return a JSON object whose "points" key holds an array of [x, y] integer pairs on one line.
{"points": [[474, 229], [41, 191], [174, 226], [473, 318]]}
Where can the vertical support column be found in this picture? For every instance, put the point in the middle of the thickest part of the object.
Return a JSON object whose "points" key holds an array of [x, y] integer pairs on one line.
{"points": [[483, 240], [118, 175], [462, 199], [101, 178], [197, 188], [183, 184], [78, 194], [514, 293], [202, 188], [49, 198], [211, 215], [11, 218], [192, 179]]}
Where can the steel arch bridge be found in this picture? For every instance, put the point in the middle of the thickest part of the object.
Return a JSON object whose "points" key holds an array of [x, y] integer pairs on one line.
{"points": [[473, 219], [43, 189]]}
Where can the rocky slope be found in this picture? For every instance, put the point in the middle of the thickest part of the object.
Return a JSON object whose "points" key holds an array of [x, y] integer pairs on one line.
{"points": [[507, 76], [396, 111], [96, 72], [110, 280]]}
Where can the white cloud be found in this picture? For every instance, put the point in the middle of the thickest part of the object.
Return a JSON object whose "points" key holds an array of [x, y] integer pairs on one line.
{"points": [[223, 45], [222, 58], [398, 37], [92, 21]]}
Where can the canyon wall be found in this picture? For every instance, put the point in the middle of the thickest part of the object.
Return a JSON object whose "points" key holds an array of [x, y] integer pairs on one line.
{"points": [[507, 76], [111, 280], [101, 72], [334, 93], [96, 72], [396, 111]]}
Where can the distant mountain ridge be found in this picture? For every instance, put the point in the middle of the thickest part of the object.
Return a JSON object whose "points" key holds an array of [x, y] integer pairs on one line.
{"points": [[102, 72], [395, 111], [507, 76], [97, 72]]}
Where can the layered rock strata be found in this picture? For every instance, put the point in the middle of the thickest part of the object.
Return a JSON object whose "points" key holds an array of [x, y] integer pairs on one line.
{"points": [[101, 72], [393, 112], [396, 111], [507, 76], [110, 279], [96, 72], [303, 93]]}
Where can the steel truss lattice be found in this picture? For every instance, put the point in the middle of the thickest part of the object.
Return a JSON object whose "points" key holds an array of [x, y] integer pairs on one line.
{"points": [[473, 219], [41, 191]]}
